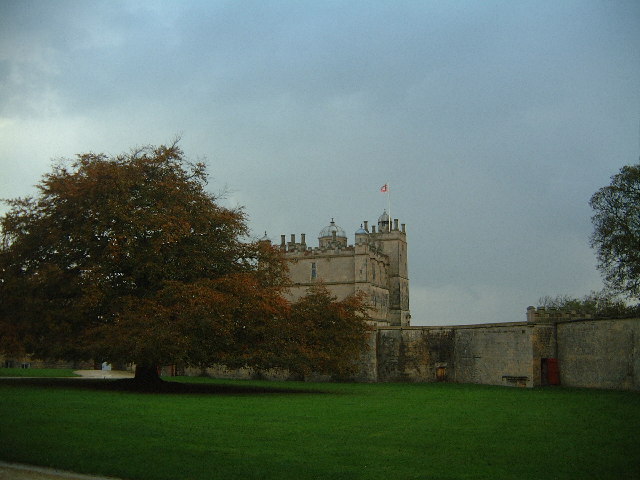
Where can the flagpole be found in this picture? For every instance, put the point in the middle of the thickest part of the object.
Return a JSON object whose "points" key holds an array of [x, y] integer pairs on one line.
{"points": [[385, 189], [389, 203]]}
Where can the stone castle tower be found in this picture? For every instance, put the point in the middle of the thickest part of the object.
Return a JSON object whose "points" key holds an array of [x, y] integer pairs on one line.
{"points": [[375, 264]]}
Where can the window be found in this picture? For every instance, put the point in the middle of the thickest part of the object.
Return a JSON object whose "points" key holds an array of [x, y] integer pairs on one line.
{"points": [[314, 271]]}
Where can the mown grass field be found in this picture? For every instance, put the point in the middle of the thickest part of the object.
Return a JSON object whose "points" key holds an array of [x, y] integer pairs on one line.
{"points": [[318, 431]]}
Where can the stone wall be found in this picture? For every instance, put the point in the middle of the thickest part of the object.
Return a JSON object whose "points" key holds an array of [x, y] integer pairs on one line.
{"points": [[28, 361], [494, 354], [414, 354], [587, 353], [368, 364], [599, 353]]}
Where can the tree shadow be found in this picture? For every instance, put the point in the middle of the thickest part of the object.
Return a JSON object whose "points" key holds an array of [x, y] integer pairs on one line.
{"points": [[132, 385]]}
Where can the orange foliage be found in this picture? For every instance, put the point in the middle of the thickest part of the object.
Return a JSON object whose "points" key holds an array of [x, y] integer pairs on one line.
{"points": [[330, 335], [130, 259]]}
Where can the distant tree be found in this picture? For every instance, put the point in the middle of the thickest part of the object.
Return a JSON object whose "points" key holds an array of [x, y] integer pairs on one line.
{"points": [[601, 304], [330, 335], [129, 259], [616, 235]]}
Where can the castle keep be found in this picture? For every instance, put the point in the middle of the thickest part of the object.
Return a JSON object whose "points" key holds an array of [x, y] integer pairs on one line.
{"points": [[375, 264]]}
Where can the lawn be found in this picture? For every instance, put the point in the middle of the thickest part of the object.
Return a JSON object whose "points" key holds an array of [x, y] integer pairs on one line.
{"points": [[318, 431]]}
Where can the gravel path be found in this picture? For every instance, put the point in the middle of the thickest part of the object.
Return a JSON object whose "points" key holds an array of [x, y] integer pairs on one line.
{"points": [[18, 471], [104, 373]]}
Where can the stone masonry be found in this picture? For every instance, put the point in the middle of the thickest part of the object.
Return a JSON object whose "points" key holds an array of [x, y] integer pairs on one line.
{"points": [[550, 348]]}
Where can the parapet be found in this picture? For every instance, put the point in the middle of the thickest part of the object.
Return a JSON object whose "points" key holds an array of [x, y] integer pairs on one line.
{"points": [[333, 239], [386, 227], [549, 315], [335, 247], [293, 246]]}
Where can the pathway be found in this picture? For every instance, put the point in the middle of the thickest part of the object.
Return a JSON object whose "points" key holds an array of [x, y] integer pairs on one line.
{"points": [[104, 373], [18, 471]]}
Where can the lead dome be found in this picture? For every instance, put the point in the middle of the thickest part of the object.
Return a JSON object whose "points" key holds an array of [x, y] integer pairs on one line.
{"points": [[361, 231], [330, 229]]}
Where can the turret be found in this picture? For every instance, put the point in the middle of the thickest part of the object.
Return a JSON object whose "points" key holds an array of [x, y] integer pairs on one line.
{"points": [[393, 242], [384, 222], [332, 236], [362, 236], [265, 239]]}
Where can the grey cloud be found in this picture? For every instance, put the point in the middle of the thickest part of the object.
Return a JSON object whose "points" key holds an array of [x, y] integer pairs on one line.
{"points": [[493, 122]]}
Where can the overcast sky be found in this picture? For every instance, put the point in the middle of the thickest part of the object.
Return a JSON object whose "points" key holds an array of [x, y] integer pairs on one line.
{"points": [[492, 122]]}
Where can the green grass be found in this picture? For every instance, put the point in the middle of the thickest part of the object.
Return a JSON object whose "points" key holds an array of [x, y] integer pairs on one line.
{"points": [[37, 372], [336, 431]]}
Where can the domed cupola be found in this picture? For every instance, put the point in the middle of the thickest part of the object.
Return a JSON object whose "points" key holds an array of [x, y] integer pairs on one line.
{"points": [[362, 236], [332, 236], [384, 222]]}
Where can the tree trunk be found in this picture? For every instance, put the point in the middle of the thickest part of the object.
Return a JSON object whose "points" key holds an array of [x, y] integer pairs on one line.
{"points": [[147, 374]]}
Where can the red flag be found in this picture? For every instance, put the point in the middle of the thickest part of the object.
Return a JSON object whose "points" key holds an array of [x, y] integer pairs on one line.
{"points": [[384, 188]]}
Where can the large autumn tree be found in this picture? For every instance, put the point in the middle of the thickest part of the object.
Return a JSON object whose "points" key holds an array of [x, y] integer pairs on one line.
{"points": [[131, 259]]}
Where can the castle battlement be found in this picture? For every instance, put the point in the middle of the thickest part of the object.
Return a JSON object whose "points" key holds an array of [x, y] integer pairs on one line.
{"points": [[361, 247], [542, 314], [298, 248]]}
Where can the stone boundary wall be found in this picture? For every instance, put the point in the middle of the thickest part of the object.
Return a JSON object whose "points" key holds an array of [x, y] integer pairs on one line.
{"points": [[492, 354], [27, 361], [583, 353], [599, 353], [551, 348]]}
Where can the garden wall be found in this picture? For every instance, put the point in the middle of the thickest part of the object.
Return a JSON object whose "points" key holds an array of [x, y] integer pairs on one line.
{"points": [[551, 348], [493, 354], [599, 353]]}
